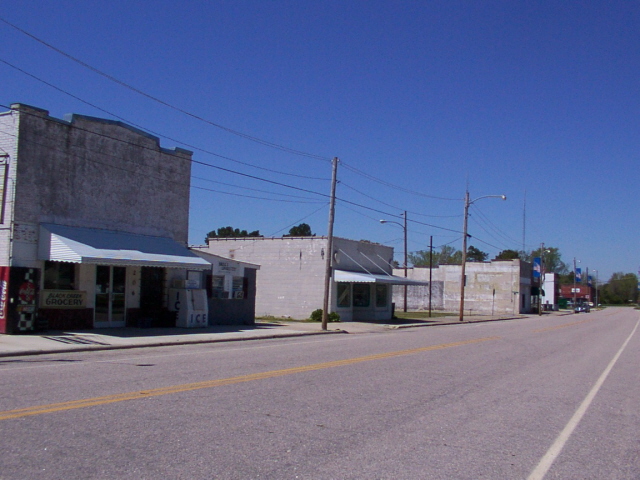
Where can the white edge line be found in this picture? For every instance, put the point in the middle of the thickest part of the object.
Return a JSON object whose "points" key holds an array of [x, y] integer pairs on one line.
{"points": [[545, 463]]}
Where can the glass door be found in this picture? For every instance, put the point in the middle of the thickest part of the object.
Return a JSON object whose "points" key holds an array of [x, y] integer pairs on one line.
{"points": [[110, 296]]}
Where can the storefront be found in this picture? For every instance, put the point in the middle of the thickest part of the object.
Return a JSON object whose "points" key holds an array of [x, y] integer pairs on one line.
{"points": [[231, 290], [94, 278], [366, 296]]}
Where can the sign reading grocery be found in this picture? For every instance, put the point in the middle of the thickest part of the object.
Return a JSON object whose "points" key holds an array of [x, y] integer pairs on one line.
{"points": [[63, 299]]}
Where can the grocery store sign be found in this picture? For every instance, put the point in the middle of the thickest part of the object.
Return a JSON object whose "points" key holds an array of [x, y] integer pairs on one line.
{"points": [[63, 299]]}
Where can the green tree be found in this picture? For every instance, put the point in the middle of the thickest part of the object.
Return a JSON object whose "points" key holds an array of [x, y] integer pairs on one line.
{"points": [[230, 232], [551, 258], [302, 230], [508, 255], [447, 255], [475, 255], [620, 289]]}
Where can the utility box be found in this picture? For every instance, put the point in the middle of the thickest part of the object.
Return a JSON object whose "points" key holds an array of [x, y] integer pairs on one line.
{"points": [[190, 305]]}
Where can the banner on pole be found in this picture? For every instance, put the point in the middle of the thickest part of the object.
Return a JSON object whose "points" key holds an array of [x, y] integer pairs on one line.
{"points": [[537, 267]]}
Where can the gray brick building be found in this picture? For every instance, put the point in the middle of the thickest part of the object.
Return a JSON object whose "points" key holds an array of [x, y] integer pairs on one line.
{"points": [[93, 223]]}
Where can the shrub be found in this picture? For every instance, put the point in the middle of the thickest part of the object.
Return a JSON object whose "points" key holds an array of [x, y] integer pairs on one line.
{"points": [[316, 316]]}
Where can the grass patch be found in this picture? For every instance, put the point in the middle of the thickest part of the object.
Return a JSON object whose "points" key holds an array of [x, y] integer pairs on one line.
{"points": [[422, 315]]}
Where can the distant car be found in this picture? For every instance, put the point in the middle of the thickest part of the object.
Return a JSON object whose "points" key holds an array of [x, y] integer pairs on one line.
{"points": [[583, 307]]}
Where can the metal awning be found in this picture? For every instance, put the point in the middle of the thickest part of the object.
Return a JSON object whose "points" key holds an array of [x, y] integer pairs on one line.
{"points": [[109, 247], [344, 276]]}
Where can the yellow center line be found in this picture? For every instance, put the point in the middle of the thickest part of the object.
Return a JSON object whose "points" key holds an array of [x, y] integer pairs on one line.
{"points": [[556, 327], [122, 397]]}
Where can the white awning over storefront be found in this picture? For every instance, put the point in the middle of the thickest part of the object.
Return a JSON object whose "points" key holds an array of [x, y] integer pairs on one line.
{"points": [[109, 247], [343, 276]]}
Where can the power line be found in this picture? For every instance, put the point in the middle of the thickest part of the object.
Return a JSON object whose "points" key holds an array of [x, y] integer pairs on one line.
{"points": [[273, 182], [393, 206], [246, 175], [129, 122], [247, 188], [297, 222], [137, 171], [396, 187], [166, 104]]}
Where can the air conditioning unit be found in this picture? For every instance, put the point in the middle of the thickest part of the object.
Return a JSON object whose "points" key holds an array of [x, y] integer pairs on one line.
{"points": [[238, 295]]}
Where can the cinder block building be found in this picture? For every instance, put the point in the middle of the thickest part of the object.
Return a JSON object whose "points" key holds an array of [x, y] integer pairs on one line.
{"points": [[93, 223], [497, 287], [292, 275]]}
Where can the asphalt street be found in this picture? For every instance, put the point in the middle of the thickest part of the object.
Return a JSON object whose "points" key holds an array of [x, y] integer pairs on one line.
{"points": [[538, 397]]}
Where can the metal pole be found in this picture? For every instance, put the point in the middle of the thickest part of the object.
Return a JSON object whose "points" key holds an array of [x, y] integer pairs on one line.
{"points": [[405, 260], [430, 270], [329, 255], [464, 254], [574, 282], [541, 278]]}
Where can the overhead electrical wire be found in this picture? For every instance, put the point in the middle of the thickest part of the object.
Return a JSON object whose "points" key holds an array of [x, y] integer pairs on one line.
{"points": [[137, 171], [394, 206], [287, 149], [493, 227], [164, 103], [297, 222], [251, 176], [273, 182], [396, 187], [144, 129], [214, 124], [247, 188]]}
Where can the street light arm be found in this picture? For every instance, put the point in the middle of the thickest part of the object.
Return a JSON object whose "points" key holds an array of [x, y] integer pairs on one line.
{"points": [[391, 221], [503, 197]]}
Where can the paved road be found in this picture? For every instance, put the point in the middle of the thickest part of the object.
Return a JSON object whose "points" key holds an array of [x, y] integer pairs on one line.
{"points": [[549, 397]]}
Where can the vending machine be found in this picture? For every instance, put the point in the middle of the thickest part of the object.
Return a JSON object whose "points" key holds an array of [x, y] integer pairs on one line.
{"points": [[190, 305]]}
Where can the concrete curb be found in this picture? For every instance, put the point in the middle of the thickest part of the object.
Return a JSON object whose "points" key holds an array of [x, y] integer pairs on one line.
{"points": [[165, 343], [185, 340]]}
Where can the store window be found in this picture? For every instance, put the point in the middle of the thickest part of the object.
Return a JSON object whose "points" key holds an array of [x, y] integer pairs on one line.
{"points": [[217, 286], [381, 295], [344, 295], [59, 275], [361, 295], [238, 288]]}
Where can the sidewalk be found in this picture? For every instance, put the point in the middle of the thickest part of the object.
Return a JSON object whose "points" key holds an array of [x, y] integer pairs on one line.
{"points": [[121, 338]]}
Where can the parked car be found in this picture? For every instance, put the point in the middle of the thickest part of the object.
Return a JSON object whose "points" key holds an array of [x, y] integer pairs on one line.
{"points": [[583, 307]]}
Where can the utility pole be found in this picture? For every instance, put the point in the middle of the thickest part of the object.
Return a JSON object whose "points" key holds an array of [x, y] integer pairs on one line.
{"points": [[405, 260], [329, 255], [541, 279], [574, 282], [430, 270], [464, 253], [463, 279]]}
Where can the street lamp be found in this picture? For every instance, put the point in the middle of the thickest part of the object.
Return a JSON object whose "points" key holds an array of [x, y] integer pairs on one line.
{"points": [[575, 271], [404, 227], [468, 203], [542, 273]]}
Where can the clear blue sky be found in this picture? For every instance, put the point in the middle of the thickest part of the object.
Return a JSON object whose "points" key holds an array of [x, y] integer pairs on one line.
{"points": [[418, 100]]}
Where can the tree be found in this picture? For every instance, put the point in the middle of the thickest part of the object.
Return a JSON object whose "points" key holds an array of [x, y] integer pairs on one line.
{"points": [[621, 289], [551, 258], [302, 230], [446, 256], [476, 255], [508, 255], [230, 232]]}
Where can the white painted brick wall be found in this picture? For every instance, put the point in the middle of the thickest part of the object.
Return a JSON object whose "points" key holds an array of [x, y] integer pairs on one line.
{"points": [[100, 174], [290, 281]]}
